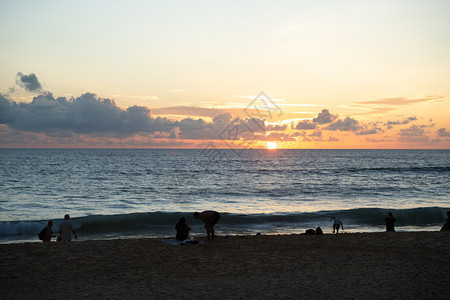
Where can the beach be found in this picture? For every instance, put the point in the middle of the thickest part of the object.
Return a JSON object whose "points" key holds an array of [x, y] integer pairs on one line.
{"points": [[406, 265]]}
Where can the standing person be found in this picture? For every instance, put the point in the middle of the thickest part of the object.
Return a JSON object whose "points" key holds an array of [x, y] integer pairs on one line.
{"points": [[66, 229], [390, 220], [182, 229], [210, 218], [446, 226], [336, 224]]}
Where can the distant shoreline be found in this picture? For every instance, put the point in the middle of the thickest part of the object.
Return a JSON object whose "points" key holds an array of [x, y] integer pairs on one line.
{"points": [[357, 265]]}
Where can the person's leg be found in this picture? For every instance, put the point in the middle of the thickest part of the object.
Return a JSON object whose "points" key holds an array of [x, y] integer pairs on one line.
{"points": [[208, 232], [337, 228]]}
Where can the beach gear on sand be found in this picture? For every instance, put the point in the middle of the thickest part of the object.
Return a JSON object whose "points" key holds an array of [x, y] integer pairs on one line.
{"points": [[189, 241]]}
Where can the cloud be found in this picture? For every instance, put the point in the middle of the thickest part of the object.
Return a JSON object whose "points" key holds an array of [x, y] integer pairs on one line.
{"points": [[188, 111], [414, 130], [404, 100], [405, 121], [101, 117], [305, 125], [87, 114], [28, 82], [442, 132], [324, 117], [271, 127], [348, 124], [279, 136], [368, 131], [316, 133], [388, 104]]}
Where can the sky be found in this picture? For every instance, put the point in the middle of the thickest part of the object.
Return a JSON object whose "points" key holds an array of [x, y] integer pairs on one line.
{"points": [[225, 74]]}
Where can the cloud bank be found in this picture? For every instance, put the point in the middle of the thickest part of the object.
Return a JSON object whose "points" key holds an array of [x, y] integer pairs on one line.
{"points": [[88, 118]]}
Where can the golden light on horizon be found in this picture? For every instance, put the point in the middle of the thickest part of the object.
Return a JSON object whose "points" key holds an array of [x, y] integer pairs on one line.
{"points": [[271, 145]]}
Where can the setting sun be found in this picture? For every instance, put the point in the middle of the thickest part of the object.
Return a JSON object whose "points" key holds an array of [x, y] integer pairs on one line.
{"points": [[271, 145]]}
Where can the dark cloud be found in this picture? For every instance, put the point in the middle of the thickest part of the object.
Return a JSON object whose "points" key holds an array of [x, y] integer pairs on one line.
{"points": [[442, 132], [348, 124], [368, 131], [28, 82], [325, 117], [87, 114], [414, 130], [305, 125], [317, 133], [99, 117], [405, 121]]}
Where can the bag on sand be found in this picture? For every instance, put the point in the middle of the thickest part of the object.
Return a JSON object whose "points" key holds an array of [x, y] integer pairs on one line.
{"points": [[41, 234]]}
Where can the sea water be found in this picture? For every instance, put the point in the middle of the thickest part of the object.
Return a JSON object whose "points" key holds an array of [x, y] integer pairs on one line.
{"points": [[120, 193]]}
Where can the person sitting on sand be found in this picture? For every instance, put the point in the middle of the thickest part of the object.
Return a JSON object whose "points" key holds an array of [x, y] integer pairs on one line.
{"points": [[182, 229], [48, 232], [390, 222], [337, 224], [66, 229], [446, 226], [210, 218]]}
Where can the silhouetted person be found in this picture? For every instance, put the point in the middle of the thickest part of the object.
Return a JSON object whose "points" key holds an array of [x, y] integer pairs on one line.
{"points": [[310, 231], [336, 224], [319, 231], [182, 229], [66, 229], [390, 220], [446, 226], [48, 232], [210, 218]]}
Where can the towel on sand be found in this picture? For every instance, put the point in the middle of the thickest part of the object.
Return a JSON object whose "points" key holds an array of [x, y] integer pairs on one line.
{"points": [[189, 241]]}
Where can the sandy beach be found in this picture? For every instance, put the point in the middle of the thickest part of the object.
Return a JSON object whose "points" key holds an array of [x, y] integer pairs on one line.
{"points": [[345, 266]]}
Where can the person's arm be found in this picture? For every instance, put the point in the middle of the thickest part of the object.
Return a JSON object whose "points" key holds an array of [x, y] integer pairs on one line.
{"points": [[74, 234], [342, 225]]}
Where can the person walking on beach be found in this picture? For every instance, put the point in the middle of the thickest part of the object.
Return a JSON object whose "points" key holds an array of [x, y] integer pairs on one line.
{"points": [[210, 218], [390, 220], [66, 229], [336, 224], [182, 229]]}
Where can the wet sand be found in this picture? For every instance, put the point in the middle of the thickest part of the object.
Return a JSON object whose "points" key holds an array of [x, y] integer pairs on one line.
{"points": [[413, 265]]}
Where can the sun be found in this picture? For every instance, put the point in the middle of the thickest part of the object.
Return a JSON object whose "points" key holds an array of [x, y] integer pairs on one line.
{"points": [[271, 145]]}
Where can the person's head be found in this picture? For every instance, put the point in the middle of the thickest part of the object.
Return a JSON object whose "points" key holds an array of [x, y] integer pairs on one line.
{"points": [[390, 214], [50, 223], [66, 217], [196, 215], [448, 213], [182, 220]]}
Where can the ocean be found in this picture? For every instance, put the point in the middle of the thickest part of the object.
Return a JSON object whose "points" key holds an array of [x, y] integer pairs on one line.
{"points": [[128, 193]]}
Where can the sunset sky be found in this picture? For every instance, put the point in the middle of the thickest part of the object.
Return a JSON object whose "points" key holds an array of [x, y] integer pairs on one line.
{"points": [[239, 74]]}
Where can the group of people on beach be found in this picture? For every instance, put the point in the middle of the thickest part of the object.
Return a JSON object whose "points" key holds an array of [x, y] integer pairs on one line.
{"points": [[65, 231], [209, 217]]}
